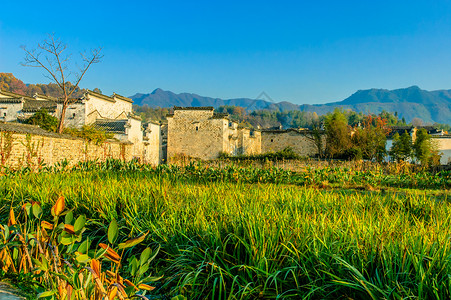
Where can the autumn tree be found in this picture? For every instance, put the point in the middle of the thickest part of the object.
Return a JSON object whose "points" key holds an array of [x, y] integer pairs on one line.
{"points": [[51, 56], [371, 137]]}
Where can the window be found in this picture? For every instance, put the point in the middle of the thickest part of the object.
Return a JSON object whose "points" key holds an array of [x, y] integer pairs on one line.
{"points": [[73, 115], [272, 140], [4, 114], [197, 128]]}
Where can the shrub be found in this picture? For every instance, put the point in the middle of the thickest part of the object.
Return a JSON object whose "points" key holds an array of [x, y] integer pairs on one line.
{"points": [[44, 120], [90, 133]]}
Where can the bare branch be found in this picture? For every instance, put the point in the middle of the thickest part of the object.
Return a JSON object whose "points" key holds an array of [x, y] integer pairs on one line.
{"points": [[51, 56], [95, 58], [33, 60]]}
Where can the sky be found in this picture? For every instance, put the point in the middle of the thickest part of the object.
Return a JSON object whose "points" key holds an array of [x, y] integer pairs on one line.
{"points": [[305, 52]]}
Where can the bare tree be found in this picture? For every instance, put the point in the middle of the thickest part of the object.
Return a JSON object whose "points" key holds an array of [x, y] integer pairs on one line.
{"points": [[316, 136], [51, 56]]}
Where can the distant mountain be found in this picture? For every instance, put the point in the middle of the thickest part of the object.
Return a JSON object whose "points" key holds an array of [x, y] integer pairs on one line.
{"points": [[160, 98], [411, 102]]}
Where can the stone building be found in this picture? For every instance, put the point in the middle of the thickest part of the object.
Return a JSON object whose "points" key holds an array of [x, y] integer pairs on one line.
{"points": [[301, 141], [111, 113], [199, 132]]}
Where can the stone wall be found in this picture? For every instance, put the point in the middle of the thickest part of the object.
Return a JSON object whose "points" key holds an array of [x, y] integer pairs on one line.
{"points": [[300, 142], [250, 142], [32, 149], [195, 133]]}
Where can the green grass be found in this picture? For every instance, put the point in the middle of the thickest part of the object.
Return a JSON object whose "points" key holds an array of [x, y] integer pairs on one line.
{"points": [[232, 239]]}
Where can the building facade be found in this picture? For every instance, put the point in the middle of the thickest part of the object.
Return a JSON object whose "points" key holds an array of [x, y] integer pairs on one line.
{"points": [[113, 114], [199, 132]]}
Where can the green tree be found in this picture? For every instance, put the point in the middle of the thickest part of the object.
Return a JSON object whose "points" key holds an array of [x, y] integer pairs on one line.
{"points": [[44, 120], [423, 148], [401, 149], [338, 134]]}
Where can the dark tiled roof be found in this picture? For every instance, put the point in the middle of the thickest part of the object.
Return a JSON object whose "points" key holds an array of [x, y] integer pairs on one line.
{"points": [[31, 129], [15, 95], [10, 100], [36, 95], [304, 131], [115, 126], [194, 108], [105, 97], [122, 98], [133, 116], [71, 101], [220, 116], [35, 105]]}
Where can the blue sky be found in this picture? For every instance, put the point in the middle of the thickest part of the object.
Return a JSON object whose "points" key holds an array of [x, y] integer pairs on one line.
{"points": [[298, 51]]}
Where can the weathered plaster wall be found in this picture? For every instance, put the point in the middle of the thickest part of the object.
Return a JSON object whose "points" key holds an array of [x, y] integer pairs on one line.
{"points": [[75, 115], [10, 111], [444, 146], [107, 109], [152, 144], [273, 141]]}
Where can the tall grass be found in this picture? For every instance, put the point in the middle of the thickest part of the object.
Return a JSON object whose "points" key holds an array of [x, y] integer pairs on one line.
{"points": [[236, 240]]}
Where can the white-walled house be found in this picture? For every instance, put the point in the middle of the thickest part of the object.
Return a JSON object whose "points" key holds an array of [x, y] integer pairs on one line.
{"points": [[111, 113]]}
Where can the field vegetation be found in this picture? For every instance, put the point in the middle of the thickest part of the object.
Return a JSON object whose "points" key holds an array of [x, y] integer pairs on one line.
{"points": [[245, 233]]}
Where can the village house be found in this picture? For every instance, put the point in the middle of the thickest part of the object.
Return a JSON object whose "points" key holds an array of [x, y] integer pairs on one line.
{"points": [[439, 137], [113, 114], [199, 132]]}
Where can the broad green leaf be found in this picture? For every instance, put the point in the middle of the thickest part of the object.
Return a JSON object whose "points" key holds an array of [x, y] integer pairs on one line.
{"points": [[132, 242], [67, 240], [37, 210], [134, 266], [113, 231], [6, 231], [145, 256], [83, 258], [69, 217], [46, 294], [83, 248], [27, 207], [79, 223]]}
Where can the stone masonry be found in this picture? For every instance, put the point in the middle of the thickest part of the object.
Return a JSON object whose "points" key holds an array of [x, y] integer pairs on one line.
{"points": [[199, 132], [299, 140]]}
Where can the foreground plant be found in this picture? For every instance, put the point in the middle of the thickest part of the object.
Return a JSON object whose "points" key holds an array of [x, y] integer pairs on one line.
{"points": [[59, 263]]}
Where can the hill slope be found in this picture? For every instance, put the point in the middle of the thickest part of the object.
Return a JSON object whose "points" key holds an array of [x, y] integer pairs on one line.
{"points": [[412, 102]]}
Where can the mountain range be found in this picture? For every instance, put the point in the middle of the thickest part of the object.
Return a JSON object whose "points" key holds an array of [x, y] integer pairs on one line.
{"points": [[411, 102]]}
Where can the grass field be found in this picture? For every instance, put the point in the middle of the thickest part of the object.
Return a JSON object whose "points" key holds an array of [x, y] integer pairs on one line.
{"points": [[273, 237]]}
